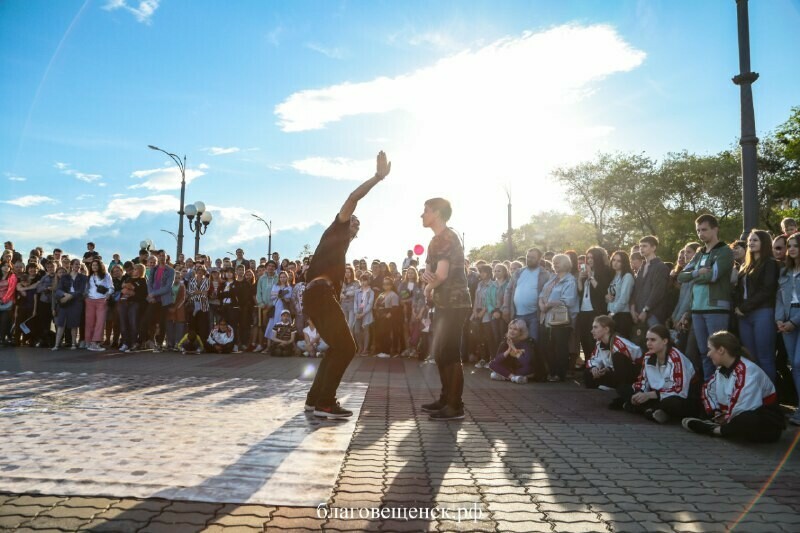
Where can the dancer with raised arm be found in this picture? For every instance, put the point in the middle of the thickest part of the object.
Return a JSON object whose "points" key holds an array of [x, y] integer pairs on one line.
{"points": [[447, 289], [320, 300]]}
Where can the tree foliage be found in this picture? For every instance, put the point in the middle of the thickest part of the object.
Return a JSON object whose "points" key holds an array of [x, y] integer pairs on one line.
{"points": [[619, 198]]}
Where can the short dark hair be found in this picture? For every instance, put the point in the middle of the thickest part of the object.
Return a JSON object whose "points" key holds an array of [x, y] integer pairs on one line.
{"points": [[441, 206], [652, 240], [485, 269], [271, 262], [711, 219], [534, 249]]}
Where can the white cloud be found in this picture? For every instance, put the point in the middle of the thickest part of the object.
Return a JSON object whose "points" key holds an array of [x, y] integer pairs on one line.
{"points": [[165, 178], [143, 13], [84, 197], [333, 53], [14, 177], [338, 168], [218, 150], [509, 74], [506, 113], [30, 201], [82, 176]]}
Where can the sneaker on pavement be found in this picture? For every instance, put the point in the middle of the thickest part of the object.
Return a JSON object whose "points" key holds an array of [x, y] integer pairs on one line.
{"points": [[606, 388], [660, 416], [497, 377], [258, 348], [123, 348], [433, 406], [308, 408], [235, 349], [519, 379], [480, 364], [448, 413], [703, 427], [383, 356], [334, 412]]}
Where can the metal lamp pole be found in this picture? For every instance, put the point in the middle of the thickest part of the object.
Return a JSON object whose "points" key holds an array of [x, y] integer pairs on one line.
{"points": [[748, 140], [182, 167], [199, 226], [173, 235], [269, 229]]}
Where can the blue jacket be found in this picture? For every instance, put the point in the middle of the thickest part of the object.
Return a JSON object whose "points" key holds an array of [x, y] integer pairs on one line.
{"points": [[78, 288], [787, 283], [164, 292], [565, 290]]}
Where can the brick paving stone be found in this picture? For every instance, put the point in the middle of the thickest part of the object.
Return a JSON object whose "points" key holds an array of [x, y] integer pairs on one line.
{"points": [[351, 525], [243, 509], [161, 527], [193, 507], [579, 527], [400, 526], [93, 503], [239, 520], [524, 527], [170, 517], [452, 525], [531, 516], [86, 513], [294, 524], [143, 516], [572, 516], [141, 505], [28, 510], [41, 501], [27, 529], [9, 521], [699, 527], [113, 526]]}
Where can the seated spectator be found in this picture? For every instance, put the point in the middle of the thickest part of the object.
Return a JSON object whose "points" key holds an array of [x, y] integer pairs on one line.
{"points": [[515, 356], [190, 343], [283, 336], [220, 340], [312, 344], [663, 387], [615, 362], [739, 398]]}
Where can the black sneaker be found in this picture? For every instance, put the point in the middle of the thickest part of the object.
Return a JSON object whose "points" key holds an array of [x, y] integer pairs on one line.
{"points": [[703, 427], [617, 404], [334, 412], [448, 413], [433, 406]]}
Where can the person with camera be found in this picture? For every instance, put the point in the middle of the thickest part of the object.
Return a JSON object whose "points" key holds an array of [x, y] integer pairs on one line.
{"points": [[100, 289]]}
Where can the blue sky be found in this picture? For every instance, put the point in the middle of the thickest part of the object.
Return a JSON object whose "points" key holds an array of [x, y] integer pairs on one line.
{"points": [[280, 109]]}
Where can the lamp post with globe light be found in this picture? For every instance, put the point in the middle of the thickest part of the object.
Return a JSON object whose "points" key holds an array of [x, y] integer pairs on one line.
{"points": [[182, 167], [199, 226], [269, 229]]}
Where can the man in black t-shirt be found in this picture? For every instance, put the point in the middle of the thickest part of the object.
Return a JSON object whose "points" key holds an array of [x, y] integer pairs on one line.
{"points": [[320, 300]]}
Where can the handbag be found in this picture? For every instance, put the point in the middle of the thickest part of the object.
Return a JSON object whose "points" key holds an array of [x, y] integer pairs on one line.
{"points": [[558, 316]]}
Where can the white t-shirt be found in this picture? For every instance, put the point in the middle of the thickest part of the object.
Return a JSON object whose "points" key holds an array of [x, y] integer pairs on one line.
{"points": [[312, 333]]}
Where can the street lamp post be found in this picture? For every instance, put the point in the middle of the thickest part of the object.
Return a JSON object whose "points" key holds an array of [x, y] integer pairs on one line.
{"points": [[748, 140], [269, 229], [199, 226], [171, 233], [181, 212]]}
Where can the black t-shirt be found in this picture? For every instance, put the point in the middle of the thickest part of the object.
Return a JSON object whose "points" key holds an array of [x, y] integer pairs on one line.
{"points": [[453, 293], [329, 257]]}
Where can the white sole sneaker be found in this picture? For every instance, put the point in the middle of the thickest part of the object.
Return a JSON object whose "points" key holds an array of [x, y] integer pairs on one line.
{"points": [[309, 408]]}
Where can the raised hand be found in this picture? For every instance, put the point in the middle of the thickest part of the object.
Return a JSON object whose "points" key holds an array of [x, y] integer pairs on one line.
{"points": [[384, 166]]}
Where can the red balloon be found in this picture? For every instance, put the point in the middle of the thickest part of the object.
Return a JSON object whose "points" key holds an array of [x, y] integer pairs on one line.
{"points": [[418, 249]]}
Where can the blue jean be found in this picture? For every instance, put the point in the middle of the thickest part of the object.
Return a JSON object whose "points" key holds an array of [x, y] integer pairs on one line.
{"points": [[757, 332], [792, 342], [705, 325], [532, 321]]}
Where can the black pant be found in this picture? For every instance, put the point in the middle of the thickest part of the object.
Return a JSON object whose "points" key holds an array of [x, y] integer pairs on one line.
{"points": [[322, 308], [556, 347], [623, 324], [620, 378], [158, 317], [764, 424], [199, 323], [583, 325], [674, 406], [446, 335]]}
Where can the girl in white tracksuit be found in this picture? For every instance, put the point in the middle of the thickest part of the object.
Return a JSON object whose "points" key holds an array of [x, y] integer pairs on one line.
{"points": [[663, 387], [739, 396], [615, 362]]}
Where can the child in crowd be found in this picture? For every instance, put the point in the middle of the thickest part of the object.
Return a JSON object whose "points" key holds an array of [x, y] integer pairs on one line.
{"points": [[312, 344], [283, 336], [190, 343], [221, 338]]}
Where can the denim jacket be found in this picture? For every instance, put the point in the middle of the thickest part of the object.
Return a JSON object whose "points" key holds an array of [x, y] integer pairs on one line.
{"points": [[788, 283], [564, 290]]}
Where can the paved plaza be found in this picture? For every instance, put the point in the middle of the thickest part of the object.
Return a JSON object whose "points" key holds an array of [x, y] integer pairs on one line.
{"points": [[164, 442]]}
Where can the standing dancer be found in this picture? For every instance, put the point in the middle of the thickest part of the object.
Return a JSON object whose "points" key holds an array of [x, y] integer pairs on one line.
{"points": [[447, 287], [321, 305]]}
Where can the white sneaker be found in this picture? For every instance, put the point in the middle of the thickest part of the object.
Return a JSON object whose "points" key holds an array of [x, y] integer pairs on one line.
{"points": [[606, 388], [519, 379], [123, 348], [235, 349], [795, 419], [479, 364], [98, 348], [306, 354], [258, 348], [496, 376], [82, 345], [383, 356], [54, 349]]}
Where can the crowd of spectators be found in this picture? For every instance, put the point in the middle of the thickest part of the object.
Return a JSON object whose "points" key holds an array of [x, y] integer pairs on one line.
{"points": [[705, 339]]}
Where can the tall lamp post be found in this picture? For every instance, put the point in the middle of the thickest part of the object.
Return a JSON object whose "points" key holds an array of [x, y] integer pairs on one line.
{"points": [[748, 140], [199, 226], [173, 235], [181, 212], [509, 234], [269, 229]]}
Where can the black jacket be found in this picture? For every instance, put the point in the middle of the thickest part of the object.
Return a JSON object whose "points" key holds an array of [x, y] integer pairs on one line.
{"points": [[762, 286], [651, 291]]}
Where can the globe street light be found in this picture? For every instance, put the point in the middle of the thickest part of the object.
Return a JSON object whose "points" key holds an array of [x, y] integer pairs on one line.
{"points": [[199, 226], [269, 229], [182, 167]]}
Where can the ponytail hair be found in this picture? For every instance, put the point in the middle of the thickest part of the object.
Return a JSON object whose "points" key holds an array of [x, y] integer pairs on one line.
{"points": [[731, 343], [663, 332]]}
